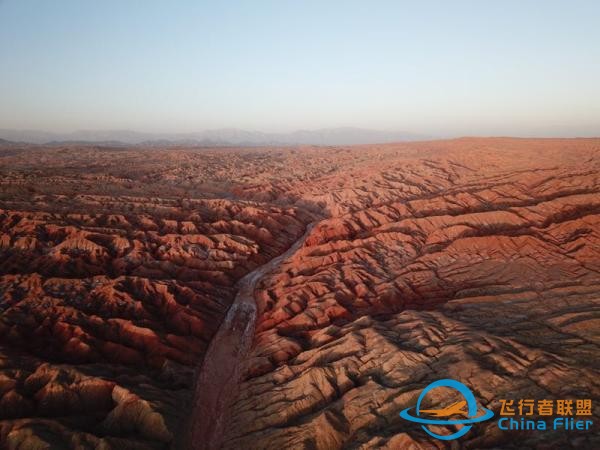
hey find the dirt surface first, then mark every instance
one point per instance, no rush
(219, 376)
(472, 259)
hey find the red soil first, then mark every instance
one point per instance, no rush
(474, 259)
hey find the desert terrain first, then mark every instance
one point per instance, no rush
(358, 275)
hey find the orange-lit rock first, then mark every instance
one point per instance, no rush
(474, 259)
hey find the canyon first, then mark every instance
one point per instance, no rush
(294, 297)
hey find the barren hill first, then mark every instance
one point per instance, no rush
(373, 270)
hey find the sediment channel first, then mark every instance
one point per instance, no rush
(219, 375)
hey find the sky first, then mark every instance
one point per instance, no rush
(443, 68)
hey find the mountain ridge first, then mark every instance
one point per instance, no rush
(214, 137)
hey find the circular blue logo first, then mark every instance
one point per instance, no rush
(472, 414)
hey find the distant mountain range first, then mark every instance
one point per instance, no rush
(220, 137)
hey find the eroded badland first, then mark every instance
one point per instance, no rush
(373, 271)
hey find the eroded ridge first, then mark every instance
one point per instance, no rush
(110, 297)
(217, 382)
(474, 259)
(478, 263)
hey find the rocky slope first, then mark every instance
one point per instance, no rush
(475, 259)
(110, 295)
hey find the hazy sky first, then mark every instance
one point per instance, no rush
(434, 67)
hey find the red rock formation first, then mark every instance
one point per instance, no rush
(109, 299)
(478, 260)
(475, 259)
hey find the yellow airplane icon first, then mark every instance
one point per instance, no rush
(454, 408)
